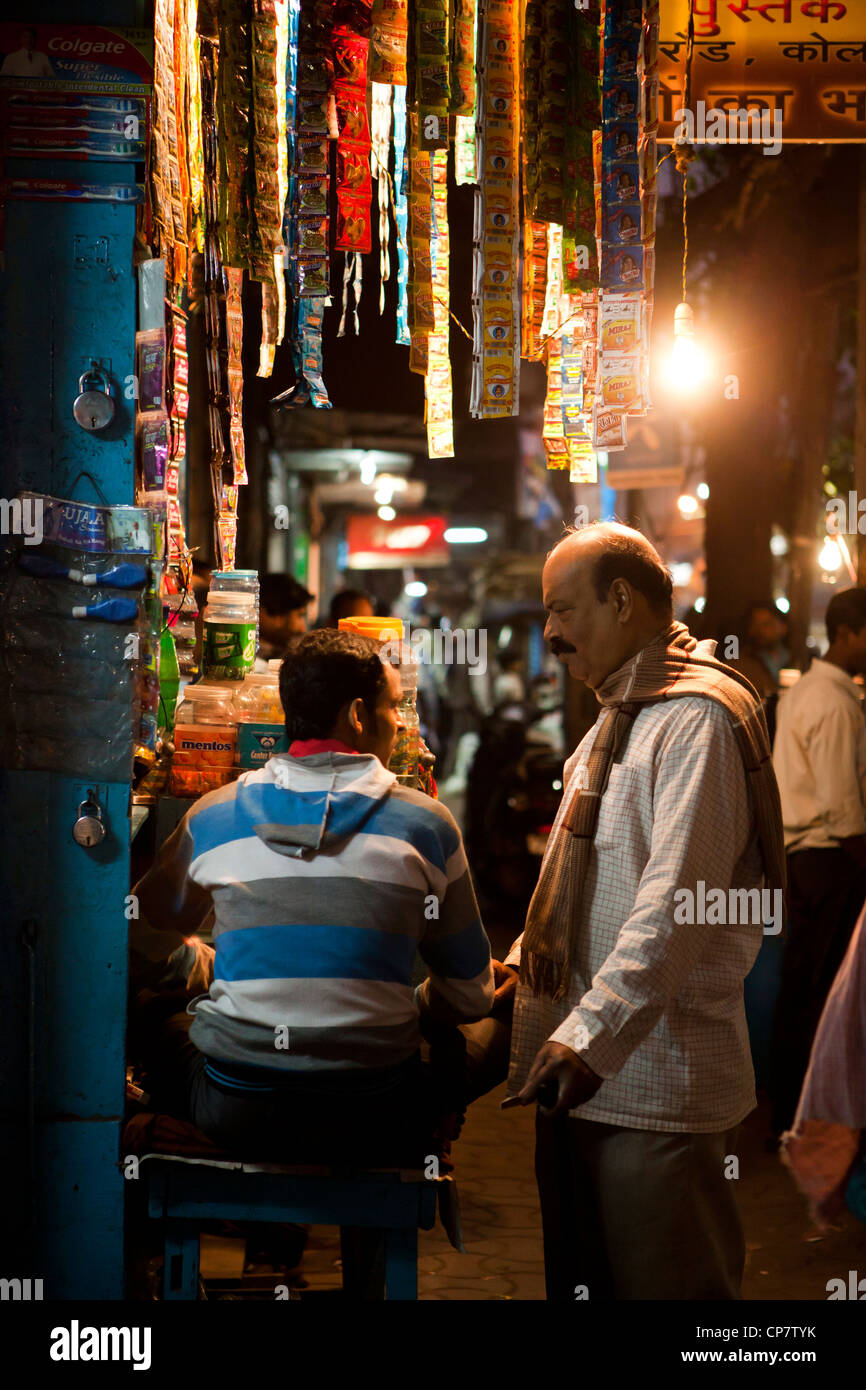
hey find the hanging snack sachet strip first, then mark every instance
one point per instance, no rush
(439, 408)
(496, 240)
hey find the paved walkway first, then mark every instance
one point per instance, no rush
(500, 1212)
(785, 1258)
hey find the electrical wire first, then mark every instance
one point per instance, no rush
(685, 152)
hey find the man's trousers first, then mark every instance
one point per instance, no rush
(633, 1214)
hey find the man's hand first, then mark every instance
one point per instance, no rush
(576, 1082)
(505, 978)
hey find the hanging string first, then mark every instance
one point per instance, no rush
(684, 152)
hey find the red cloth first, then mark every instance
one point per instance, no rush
(306, 747)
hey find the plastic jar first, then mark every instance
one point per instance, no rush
(258, 699)
(404, 760)
(261, 725)
(205, 740)
(207, 704)
(229, 646)
(238, 582)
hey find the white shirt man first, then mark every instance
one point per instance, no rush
(820, 759)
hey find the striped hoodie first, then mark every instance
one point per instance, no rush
(324, 876)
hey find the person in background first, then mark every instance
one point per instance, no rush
(283, 604)
(509, 692)
(764, 646)
(349, 603)
(629, 1011)
(820, 759)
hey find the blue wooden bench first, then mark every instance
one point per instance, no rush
(184, 1194)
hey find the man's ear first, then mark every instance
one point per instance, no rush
(622, 598)
(356, 713)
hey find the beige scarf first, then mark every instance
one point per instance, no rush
(673, 664)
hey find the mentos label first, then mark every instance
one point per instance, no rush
(204, 745)
(258, 742)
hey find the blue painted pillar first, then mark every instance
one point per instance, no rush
(67, 295)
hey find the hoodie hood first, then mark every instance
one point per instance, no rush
(300, 806)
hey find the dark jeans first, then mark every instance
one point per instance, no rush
(395, 1116)
(826, 890)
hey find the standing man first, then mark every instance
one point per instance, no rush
(820, 758)
(631, 1017)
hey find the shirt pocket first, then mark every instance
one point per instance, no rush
(616, 817)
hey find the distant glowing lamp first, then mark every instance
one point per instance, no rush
(830, 557)
(416, 588)
(687, 504)
(465, 535)
(386, 513)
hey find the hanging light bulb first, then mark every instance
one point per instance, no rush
(687, 367)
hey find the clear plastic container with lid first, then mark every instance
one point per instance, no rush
(205, 740)
(207, 703)
(261, 725)
(229, 646)
(258, 699)
(404, 760)
(238, 582)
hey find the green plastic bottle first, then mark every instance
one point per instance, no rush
(169, 679)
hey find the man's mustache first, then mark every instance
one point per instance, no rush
(560, 648)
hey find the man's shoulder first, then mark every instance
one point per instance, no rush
(683, 716)
(815, 698)
(418, 806)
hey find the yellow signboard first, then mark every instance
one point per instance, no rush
(805, 59)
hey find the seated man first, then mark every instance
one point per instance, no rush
(324, 876)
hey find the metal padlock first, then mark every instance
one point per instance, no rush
(92, 408)
(89, 829)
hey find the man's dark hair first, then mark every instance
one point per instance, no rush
(345, 603)
(324, 672)
(281, 593)
(760, 605)
(846, 609)
(624, 557)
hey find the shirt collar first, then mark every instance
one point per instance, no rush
(307, 747)
(828, 670)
